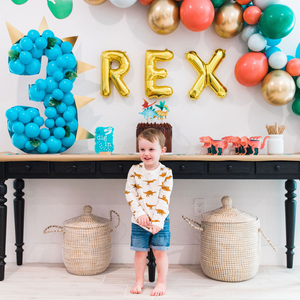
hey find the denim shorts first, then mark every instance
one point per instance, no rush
(142, 240)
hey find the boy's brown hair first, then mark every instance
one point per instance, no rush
(152, 134)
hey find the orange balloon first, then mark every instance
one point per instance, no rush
(146, 2)
(252, 15)
(243, 2)
(251, 68)
(293, 67)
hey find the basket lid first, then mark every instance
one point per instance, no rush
(227, 214)
(87, 220)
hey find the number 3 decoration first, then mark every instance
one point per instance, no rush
(29, 131)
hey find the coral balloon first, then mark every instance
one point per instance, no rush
(95, 2)
(243, 2)
(293, 67)
(197, 15)
(251, 68)
(163, 16)
(277, 21)
(229, 21)
(146, 2)
(252, 15)
(278, 88)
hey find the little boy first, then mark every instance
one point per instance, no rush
(148, 190)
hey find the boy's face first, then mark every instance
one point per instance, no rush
(150, 153)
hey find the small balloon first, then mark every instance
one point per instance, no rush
(272, 43)
(252, 15)
(163, 16)
(248, 31)
(123, 3)
(293, 67)
(94, 2)
(271, 50)
(115, 75)
(243, 2)
(278, 88)
(152, 73)
(197, 15)
(278, 60)
(146, 2)
(257, 42)
(228, 21)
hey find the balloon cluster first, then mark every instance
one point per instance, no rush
(267, 22)
(28, 130)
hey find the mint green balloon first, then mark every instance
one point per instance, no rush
(61, 9)
(19, 2)
(217, 3)
(277, 21)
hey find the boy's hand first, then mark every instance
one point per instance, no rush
(143, 220)
(155, 229)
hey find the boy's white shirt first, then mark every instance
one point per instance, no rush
(148, 192)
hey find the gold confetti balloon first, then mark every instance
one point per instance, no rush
(228, 21)
(163, 16)
(278, 88)
(95, 2)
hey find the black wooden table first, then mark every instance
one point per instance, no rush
(23, 166)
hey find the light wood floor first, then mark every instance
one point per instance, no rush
(52, 281)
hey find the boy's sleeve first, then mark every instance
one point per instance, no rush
(162, 207)
(132, 195)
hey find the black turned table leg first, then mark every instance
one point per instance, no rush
(3, 216)
(290, 220)
(151, 266)
(19, 219)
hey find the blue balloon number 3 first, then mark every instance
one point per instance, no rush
(56, 132)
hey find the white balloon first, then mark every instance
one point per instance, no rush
(277, 60)
(257, 42)
(248, 31)
(123, 3)
(298, 82)
(263, 4)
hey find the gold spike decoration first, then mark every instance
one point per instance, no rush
(15, 34)
(83, 67)
(83, 134)
(43, 26)
(81, 101)
(70, 39)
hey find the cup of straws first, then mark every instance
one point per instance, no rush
(275, 144)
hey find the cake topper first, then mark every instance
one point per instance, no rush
(150, 113)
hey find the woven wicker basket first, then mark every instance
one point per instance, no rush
(86, 242)
(230, 243)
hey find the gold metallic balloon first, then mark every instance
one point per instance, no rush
(152, 73)
(206, 74)
(228, 21)
(115, 75)
(95, 2)
(163, 16)
(278, 88)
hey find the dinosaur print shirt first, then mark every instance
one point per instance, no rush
(148, 192)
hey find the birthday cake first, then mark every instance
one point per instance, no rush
(149, 114)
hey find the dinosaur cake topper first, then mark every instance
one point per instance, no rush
(150, 113)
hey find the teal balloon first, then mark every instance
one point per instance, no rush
(277, 21)
(217, 3)
(296, 107)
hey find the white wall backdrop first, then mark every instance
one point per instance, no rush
(242, 112)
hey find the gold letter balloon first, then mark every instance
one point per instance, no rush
(115, 75)
(152, 73)
(228, 21)
(163, 16)
(278, 88)
(95, 2)
(206, 74)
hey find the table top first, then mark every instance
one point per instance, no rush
(13, 157)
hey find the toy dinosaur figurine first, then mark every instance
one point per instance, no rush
(252, 145)
(214, 147)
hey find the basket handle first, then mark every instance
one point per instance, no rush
(60, 229)
(263, 234)
(112, 211)
(189, 221)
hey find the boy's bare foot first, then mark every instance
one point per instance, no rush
(159, 290)
(137, 289)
